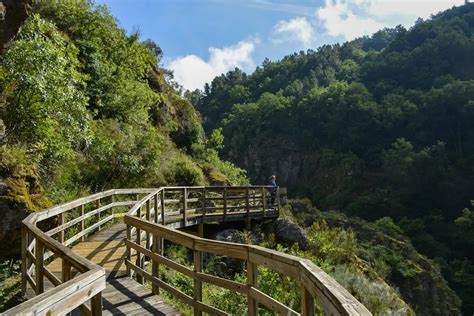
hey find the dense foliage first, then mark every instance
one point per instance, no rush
(373, 261)
(85, 107)
(376, 127)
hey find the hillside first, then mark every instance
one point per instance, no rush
(376, 127)
(85, 107)
(371, 128)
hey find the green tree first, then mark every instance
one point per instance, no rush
(45, 97)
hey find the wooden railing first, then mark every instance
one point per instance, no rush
(152, 216)
(46, 235)
(148, 229)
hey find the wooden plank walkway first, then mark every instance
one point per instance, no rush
(123, 295)
(105, 248)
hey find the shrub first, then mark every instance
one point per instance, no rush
(387, 225)
(185, 172)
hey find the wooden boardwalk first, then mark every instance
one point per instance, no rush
(113, 257)
(123, 295)
(105, 248)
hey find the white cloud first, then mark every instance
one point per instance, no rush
(298, 29)
(412, 8)
(339, 19)
(346, 19)
(354, 18)
(192, 72)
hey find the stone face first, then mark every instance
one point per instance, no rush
(288, 232)
(20, 194)
(15, 12)
(226, 267)
(230, 235)
(10, 227)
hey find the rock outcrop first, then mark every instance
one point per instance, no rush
(10, 229)
(226, 266)
(288, 232)
(14, 12)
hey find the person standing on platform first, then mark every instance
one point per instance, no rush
(273, 190)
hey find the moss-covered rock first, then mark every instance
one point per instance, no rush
(20, 194)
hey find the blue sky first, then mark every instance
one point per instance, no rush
(202, 39)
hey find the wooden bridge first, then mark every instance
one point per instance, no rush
(94, 255)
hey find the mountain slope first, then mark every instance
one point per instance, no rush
(375, 127)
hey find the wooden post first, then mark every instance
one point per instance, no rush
(82, 222)
(39, 271)
(148, 217)
(112, 200)
(225, 202)
(155, 266)
(139, 261)
(278, 199)
(203, 204)
(200, 228)
(96, 304)
(60, 223)
(307, 302)
(197, 283)
(129, 251)
(185, 205)
(155, 217)
(65, 271)
(98, 214)
(24, 258)
(247, 207)
(163, 206)
(264, 202)
(252, 282)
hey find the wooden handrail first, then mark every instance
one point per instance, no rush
(70, 291)
(151, 215)
(316, 285)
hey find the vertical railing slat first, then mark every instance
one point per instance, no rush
(155, 266)
(225, 202)
(185, 205)
(138, 239)
(96, 304)
(82, 222)
(24, 258)
(307, 302)
(112, 200)
(247, 207)
(39, 271)
(148, 217)
(163, 206)
(197, 283)
(60, 223)
(98, 214)
(203, 203)
(65, 270)
(129, 251)
(155, 217)
(252, 282)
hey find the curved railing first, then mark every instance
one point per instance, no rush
(148, 228)
(46, 236)
(152, 215)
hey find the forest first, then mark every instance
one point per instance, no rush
(377, 127)
(373, 139)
